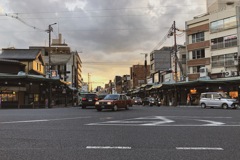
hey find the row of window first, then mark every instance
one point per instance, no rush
(223, 24)
(225, 60)
(216, 26)
(224, 42)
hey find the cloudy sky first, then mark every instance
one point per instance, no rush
(110, 34)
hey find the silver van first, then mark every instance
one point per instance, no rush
(217, 99)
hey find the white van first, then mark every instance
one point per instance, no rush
(217, 99)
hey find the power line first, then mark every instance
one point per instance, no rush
(104, 9)
(22, 21)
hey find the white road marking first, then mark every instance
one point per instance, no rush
(164, 121)
(107, 147)
(42, 120)
(212, 123)
(199, 148)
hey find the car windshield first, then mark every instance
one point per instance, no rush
(224, 95)
(88, 95)
(112, 97)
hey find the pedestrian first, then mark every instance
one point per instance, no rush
(189, 98)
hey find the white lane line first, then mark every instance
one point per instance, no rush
(108, 147)
(42, 120)
(199, 148)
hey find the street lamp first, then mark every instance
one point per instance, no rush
(50, 29)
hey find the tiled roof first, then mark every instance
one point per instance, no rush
(19, 54)
(8, 60)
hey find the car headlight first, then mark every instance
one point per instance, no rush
(97, 103)
(109, 103)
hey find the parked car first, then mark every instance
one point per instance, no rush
(148, 101)
(88, 99)
(114, 102)
(218, 100)
(137, 100)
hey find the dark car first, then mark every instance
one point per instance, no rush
(88, 99)
(114, 102)
(137, 100)
(148, 101)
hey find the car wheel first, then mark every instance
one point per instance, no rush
(203, 105)
(115, 108)
(127, 107)
(99, 109)
(225, 106)
(83, 107)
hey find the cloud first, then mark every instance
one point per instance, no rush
(110, 33)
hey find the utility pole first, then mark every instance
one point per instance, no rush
(89, 82)
(175, 60)
(145, 67)
(175, 50)
(50, 29)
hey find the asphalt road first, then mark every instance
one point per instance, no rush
(141, 133)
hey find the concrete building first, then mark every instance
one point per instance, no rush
(118, 84)
(160, 60)
(66, 63)
(139, 74)
(126, 83)
(212, 41)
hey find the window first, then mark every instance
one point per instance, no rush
(223, 24)
(224, 60)
(218, 61)
(216, 96)
(196, 69)
(196, 54)
(198, 37)
(152, 66)
(217, 43)
(230, 41)
(224, 42)
(229, 59)
(230, 22)
(217, 25)
(151, 57)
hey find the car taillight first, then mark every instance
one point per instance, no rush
(84, 99)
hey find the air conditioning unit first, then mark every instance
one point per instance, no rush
(235, 62)
(234, 74)
(203, 72)
(228, 73)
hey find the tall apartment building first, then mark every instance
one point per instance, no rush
(212, 41)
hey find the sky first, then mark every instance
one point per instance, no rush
(110, 35)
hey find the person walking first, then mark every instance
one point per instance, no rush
(189, 99)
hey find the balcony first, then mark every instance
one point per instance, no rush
(226, 44)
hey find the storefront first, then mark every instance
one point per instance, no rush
(29, 91)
